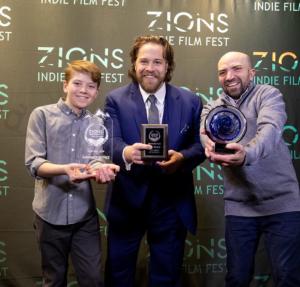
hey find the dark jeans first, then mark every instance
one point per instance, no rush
(282, 242)
(81, 241)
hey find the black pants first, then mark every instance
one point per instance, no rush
(165, 237)
(81, 241)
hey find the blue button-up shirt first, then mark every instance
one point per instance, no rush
(54, 134)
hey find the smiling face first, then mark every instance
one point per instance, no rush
(235, 73)
(80, 91)
(151, 67)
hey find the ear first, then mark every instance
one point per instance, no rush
(65, 86)
(252, 73)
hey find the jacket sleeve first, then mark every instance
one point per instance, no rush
(271, 117)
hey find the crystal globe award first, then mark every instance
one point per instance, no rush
(225, 124)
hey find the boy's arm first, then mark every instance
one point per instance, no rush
(38, 164)
(102, 173)
(35, 145)
(76, 172)
(36, 159)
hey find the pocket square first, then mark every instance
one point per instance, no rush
(184, 129)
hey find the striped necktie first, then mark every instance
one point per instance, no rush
(153, 115)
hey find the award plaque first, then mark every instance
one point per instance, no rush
(225, 124)
(96, 138)
(157, 136)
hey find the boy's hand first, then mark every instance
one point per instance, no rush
(78, 172)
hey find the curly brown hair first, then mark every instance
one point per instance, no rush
(168, 54)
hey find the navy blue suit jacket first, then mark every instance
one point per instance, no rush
(182, 114)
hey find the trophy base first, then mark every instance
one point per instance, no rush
(221, 148)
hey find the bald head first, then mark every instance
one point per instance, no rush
(235, 73)
(235, 56)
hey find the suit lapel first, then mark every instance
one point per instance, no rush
(138, 107)
(172, 111)
(172, 114)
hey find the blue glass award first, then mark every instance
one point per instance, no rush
(225, 124)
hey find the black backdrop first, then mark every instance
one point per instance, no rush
(39, 37)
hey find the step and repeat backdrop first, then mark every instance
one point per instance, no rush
(39, 37)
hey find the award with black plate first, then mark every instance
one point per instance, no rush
(96, 138)
(157, 136)
(225, 124)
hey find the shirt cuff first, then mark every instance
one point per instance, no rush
(127, 165)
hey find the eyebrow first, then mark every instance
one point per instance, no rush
(155, 59)
(232, 67)
(237, 66)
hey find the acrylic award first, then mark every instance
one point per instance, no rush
(96, 141)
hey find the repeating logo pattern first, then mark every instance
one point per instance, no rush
(34, 53)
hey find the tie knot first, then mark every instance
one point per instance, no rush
(152, 99)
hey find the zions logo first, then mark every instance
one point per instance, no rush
(210, 95)
(5, 22)
(3, 101)
(186, 22)
(4, 188)
(212, 174)
(281, 68)
(291, 138)
(211, 256)
(53, 58)
(209, 172)
(3, 259)
(189, 26)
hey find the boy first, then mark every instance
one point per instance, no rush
(66, 221)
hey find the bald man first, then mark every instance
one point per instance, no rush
(261, 188)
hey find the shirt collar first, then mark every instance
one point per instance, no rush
(160, 94)
(67, 110)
